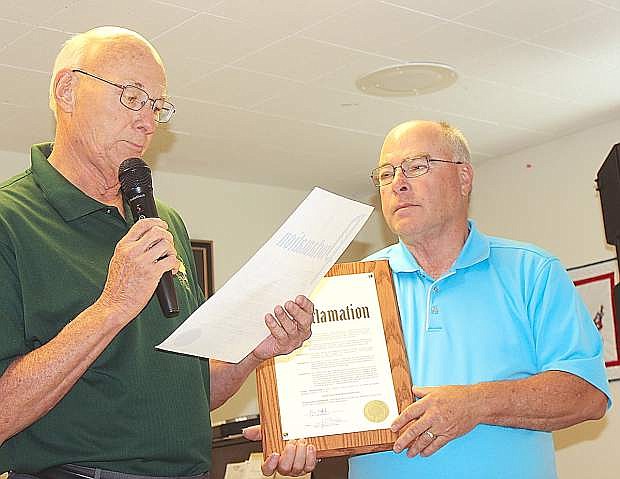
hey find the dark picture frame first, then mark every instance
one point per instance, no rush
(203, 256)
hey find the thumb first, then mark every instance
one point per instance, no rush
(419, 391)
(252, 433)
(271, 464)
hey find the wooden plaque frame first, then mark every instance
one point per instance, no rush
(354, 442)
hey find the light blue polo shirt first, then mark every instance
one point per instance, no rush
(505, 310)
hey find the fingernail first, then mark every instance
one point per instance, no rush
(397, 449)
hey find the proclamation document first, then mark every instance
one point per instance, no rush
(231, 323)
(340, 380)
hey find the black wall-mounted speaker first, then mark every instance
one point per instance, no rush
(608, 182)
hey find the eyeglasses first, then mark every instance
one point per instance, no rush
(411, 167)
(135, 98)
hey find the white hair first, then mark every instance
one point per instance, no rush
(453, 137)
(75, 51)
(456, 140)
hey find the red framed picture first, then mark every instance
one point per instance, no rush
(595, 283)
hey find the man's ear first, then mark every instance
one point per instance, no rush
(466, 177)
(64, 90)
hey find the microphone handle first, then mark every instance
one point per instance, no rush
(142, 205)
(167, 295)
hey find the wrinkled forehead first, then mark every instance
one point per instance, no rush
(127, 59)
(413, 140)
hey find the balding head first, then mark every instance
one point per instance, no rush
(99, 46)
(453, 139)
(96, 130)
(430, 202)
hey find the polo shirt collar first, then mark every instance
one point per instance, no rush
(70, 202)
(475, 250)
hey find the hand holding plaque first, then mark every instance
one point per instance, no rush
(350, 380)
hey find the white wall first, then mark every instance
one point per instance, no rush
(554, 204)
(12, 163)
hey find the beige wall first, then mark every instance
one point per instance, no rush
(554, 204)
(12, 163)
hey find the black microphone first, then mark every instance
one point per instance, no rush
(134, 176)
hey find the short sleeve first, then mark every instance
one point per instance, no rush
(12, 338)
(566, 338)
(185, 243)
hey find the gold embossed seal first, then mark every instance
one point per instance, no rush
(376, 411)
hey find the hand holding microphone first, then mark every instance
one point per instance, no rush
(140, 259)
(147, 252)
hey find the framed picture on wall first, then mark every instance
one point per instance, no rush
(203, 256)
(595, 283)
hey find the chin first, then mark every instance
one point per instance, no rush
(409, 227)
(403, 229)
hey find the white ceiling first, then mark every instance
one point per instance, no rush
(265, 89)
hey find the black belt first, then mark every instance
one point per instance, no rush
(71, 471)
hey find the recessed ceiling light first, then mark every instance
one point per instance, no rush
(416, 78)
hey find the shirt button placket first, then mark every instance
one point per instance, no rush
(434, 322)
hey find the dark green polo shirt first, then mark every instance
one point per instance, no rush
(135, 410)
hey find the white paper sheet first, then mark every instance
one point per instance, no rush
(340, 380)
(292, 262)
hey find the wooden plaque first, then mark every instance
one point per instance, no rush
(354, 442)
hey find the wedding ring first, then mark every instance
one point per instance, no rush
(430, 435)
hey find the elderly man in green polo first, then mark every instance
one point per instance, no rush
(83, 392)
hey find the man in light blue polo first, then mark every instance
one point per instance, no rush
(501, 349)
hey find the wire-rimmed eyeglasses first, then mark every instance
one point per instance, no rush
(411, 167)
(135, 98)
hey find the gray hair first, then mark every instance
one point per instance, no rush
(75, 51)
(456, 140)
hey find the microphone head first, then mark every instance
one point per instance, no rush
(134, 173)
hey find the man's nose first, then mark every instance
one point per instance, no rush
(146, 119)
(400, 181)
